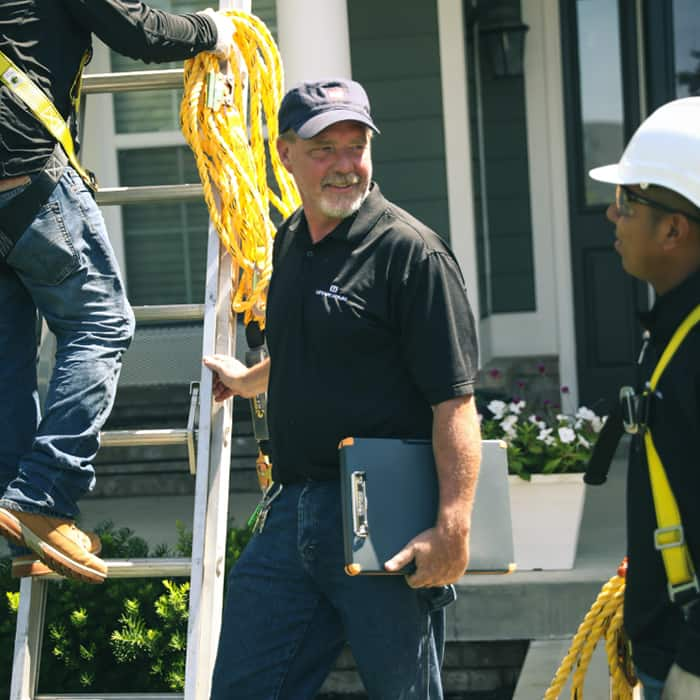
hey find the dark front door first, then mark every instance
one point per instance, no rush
(602, 110)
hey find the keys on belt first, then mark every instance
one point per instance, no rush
(259, 517)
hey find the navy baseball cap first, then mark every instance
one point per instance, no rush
(311, 107)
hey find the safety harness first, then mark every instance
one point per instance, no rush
(24, 88)
(669, 537)
(631, 416)
(22, 209)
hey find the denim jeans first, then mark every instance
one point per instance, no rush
(651, 687)
(63, 265)
(290, 608)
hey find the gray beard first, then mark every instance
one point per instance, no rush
(343, 211)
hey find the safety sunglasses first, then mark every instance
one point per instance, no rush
(624, 195)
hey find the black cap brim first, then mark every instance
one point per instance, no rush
(317, 124)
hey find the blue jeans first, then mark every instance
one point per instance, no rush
(63, 265)
(651, 687)
(290, 608)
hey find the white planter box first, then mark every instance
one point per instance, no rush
(546, 515)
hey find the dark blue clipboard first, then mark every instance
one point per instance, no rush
(389, 494)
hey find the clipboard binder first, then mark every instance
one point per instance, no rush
(389, 494)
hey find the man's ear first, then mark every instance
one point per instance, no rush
(283, 147)
(677, 233)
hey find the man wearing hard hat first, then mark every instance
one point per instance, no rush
(657, 226)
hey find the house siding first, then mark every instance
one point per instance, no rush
(395, 54)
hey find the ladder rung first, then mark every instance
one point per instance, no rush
(152, 567)
(110, 196)
(142, 438)
(169, 312)
(133, 81)
(112, 696)
(148, 568)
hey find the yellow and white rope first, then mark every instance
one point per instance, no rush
(603, 621)
(234, 160)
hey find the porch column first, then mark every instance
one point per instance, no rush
(314, 39)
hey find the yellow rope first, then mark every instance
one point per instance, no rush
(603, 621)
(234, 162)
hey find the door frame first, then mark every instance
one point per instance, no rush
(550, 329)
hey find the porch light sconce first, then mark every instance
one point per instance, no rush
(503, 41)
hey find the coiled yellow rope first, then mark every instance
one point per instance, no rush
(603, 621)
(234, 162)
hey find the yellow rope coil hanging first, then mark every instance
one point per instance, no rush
(232, 165)
(603, 621)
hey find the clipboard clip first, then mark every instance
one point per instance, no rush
(360, 524)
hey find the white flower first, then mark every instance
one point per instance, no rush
(586, 414)
(533, 418)
(544, 434)
(563, 418)
(598, 423)
(497, 408)
(516, 407)
(508, 425)
(566, 435)
(578, 424)
(549, 441)
(583, 442)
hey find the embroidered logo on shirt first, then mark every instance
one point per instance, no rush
(332, 293)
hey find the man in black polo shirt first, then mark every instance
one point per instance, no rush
(370, 334)
(657, 226)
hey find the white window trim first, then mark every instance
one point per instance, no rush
(99, 151)
(549, 186)
(550, 329)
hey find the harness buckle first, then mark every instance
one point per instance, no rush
(684, 593)
(678, 541)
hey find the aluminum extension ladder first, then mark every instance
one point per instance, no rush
(213, 452)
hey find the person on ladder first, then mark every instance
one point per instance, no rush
(55, 257)
(370, 334)
(657, 226)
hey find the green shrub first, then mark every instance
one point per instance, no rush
(125, 635)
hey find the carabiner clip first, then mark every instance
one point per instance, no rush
(628, 402)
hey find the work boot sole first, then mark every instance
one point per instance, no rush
(28, 564)
(11, 528)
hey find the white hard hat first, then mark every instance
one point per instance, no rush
(665, 151)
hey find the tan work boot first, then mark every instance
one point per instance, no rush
(28, 564)
(57, 542)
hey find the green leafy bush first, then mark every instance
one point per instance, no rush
(126, 635)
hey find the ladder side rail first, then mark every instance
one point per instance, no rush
(211, 484)
(211, 514)
(28, 637)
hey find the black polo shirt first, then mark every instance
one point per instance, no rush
(657, 628)
(367, 329)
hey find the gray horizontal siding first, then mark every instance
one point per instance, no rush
(395, 55)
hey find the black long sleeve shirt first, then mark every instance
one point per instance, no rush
(660, 635)
(47, 40)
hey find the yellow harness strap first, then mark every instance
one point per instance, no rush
(44, 110)
(669, 537)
